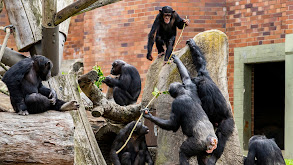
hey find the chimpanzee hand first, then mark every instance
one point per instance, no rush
(107, 81)
(149, 57)
(146, 113)
(175, 58)
(52, 97)
(186, 21)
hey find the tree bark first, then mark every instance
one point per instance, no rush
(215, 47)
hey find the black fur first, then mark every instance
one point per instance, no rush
(24, 82)
(188, 113)
(136, 151)
(265, 151)
(128, 86)
(213, 102)
(165, 33)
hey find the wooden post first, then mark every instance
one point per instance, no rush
(50, 32)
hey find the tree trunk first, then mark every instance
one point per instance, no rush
(45, 138)
(215, 47)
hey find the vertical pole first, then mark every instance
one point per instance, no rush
(288, 96)
(50, 33)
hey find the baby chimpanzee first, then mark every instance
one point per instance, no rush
(27, 93)
(136, 151)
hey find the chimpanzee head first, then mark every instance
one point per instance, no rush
(117, 67)
(167, 13)
(43, 66)
(256, 137)
(141, 129)
(176, 89)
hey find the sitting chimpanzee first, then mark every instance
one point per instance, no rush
(128, 86)
(188, 113)
(265, 151)
(136, 151)
(165, 27)
(27, 93)
(213, 102)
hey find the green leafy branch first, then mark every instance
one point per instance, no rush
(157, 93)
(98, 69)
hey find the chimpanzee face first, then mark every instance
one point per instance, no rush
(46, 71)
(141, 129)
(117, 67)
(167, 12)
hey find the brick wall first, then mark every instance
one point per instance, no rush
(119, 30)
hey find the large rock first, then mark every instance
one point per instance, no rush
(215, 46)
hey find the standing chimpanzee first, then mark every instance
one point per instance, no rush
(165, 27)
(213, 102)
(27, 93)
(188, 113)
(265, 151)
(128, 86)
(136, 151)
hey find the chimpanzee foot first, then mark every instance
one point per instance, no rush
(161, 54)
(71, 105)
(212, 145)
(23, 113)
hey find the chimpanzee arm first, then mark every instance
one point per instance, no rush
(170, 124)
(182, 70)
(44, 90)
(113, 155)
(148, 157)
(179, 21)
(151, 36)
(250, 156)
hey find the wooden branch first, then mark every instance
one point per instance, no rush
(86, 84)
(117, 113)
(79, 7)
(72, 9)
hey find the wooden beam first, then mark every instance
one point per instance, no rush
(77, 8)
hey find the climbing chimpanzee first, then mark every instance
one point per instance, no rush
(136, 151)
(128, 86)
(213, 102)
(188, 113)
(265, 151)
(165, 27)
(27, 93)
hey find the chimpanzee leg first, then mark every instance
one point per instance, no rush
(37, 103)
(121, 97)
(140, 158)
(190, 147)
(169, 50)
(57, 105)
(159, 44)
(224, 131)
(126, 158)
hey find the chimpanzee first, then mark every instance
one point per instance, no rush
(165, 27)
(213, 102)
(27, 93)
(187, 112)
(264, 150)
(136, 151)
(128, 86)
